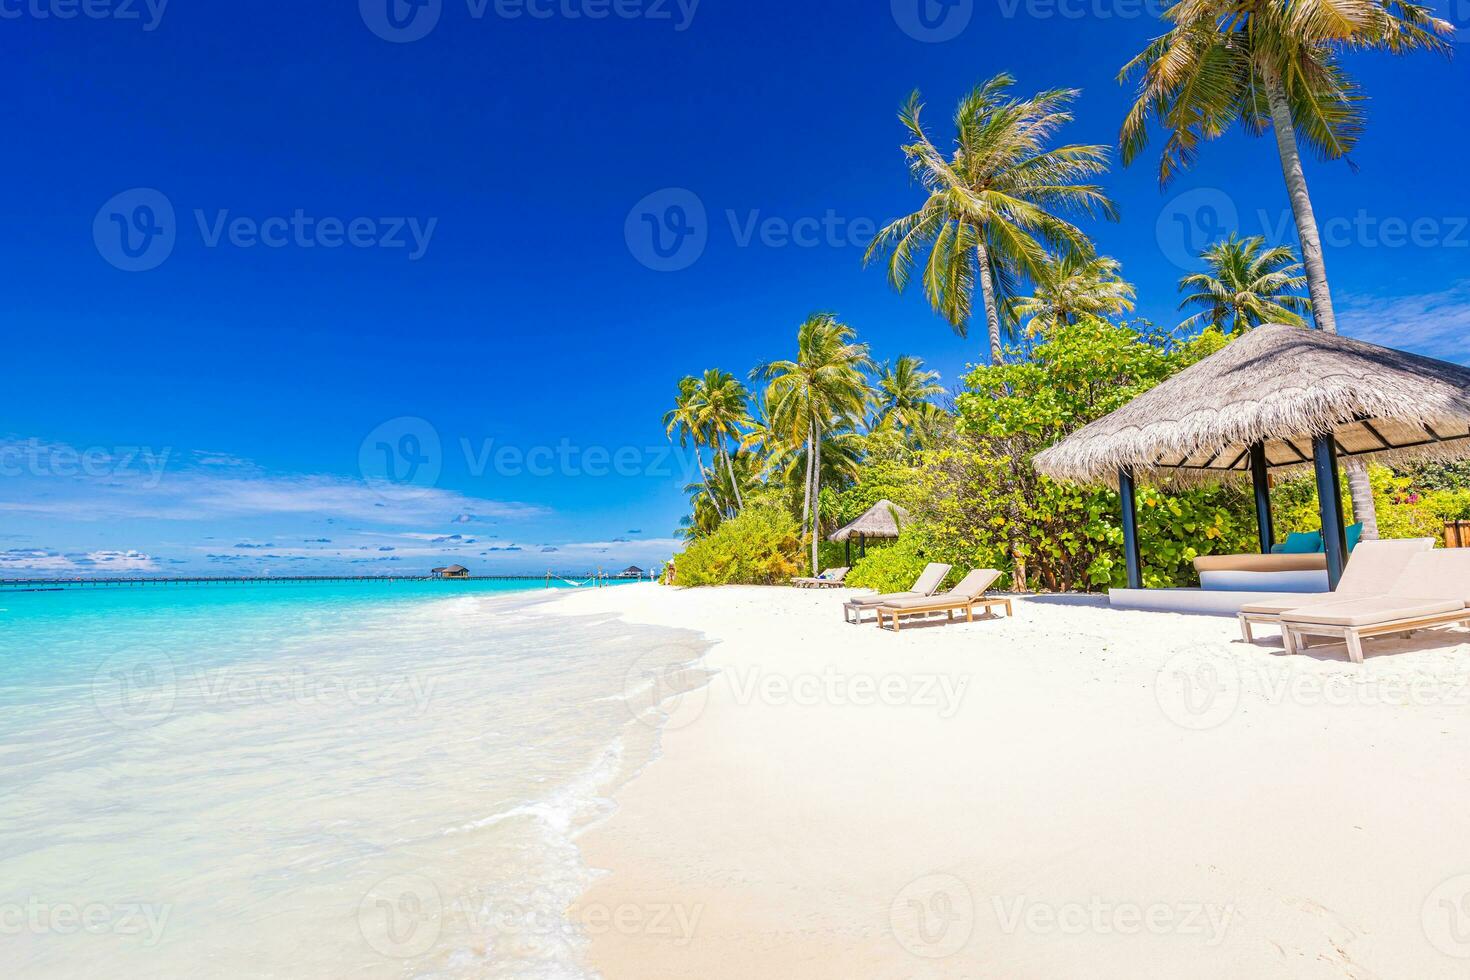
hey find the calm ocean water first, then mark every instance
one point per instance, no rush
(364, 780)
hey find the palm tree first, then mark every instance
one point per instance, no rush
(1268, 63)
(1247, 285)
(823, 391)
(721, 412)
(684, 419)
(1072, 285)
(995, 205)
(904, 394)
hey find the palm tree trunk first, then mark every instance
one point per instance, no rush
(734, 482)
(987, 294)
(709, 484)
(1361, 491)
(816, 494)
(1301, 206)
(806, 503)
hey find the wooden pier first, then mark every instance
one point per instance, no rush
(34, 584)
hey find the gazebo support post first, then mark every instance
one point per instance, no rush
(847, 549)
(1261, 479)
(1130, 528)
(862, 546)
(1329, 498)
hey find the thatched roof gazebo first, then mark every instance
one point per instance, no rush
(1279, 398)
(882, 520)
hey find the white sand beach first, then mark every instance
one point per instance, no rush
(1077, 791)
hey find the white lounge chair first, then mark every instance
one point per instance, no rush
(1433, 591)
(928, 582)
(829, 579)
(964, 597)
(1372, 570)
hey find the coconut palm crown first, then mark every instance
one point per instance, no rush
(996, 205)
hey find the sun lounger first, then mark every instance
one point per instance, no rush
(928, 582)
(1433, 591)
(1373, 569)
(962, 598)
(829, 579)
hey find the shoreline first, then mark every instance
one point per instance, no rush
(1027, 798)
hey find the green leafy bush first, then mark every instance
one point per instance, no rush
(760, 546)
(893, 568)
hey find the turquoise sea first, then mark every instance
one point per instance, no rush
(310, 780)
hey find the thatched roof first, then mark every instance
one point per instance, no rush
(1282, 385)
(881, 520)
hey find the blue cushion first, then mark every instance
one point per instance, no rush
(1355, 534)
(1301, 543)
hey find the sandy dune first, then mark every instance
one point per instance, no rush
(1078, 792)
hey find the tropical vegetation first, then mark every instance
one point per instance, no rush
(817, 438)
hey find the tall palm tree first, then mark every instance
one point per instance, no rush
(1072, 285)
(684, 420)
(1268, 63)
(824, 390)
(721, 409)
(1247, 285)
(995, 205)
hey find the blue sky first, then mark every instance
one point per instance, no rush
(425, 241)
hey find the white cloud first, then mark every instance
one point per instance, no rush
(1435, 324)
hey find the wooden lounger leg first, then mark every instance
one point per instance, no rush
(1288, 639)
(1245, 629)
(1354, 645)
(969, 614)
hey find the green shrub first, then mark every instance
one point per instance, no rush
(892, 568)
(761, 546)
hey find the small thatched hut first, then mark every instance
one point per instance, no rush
(882, 520)
(451, 571)
(1276, 399)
